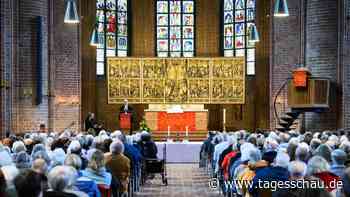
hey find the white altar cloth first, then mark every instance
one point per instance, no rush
(180, 152)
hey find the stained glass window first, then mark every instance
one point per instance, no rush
(112, 28)
(175, 28)
(238, 17)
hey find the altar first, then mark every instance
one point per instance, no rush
(176, 118)
(179, 152)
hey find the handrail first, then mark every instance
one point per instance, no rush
(275, 100)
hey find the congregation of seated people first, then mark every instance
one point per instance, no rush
(240, 160)
(68, 164)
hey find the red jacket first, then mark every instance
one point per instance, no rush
(225, 163)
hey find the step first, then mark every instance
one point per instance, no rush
(294, 115)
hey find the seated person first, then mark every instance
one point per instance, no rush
(148, 147)
(28, 184)
(61, 182)
(83, 183)
(118, 164)
(96, 170)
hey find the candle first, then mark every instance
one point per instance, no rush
(186, 131)
(224, 116)
(168, 131)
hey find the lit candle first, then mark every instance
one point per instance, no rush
(168, 131)
(224, 116)
(186, 131)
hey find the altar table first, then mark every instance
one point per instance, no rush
(180, 152)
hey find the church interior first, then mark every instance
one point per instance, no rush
(129, 98)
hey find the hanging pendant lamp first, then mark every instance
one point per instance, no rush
(94, 38)
(281, 8)
(71, 13)
(253, 34)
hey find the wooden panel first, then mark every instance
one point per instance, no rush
(208, 28)
(151, 118)
(314, 96)
(202, 121)
(262, 67)
(88, 59)
(143, 28)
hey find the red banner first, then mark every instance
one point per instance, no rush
(177, 121)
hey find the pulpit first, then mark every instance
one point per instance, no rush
(125, 121)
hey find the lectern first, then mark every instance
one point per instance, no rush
(125, 121)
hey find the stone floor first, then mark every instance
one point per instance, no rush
(184, 180)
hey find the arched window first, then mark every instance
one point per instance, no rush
(112, 28)
(175, 23)
(238, 16)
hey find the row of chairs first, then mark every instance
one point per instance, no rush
(139, 175)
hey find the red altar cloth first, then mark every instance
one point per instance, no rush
(176, 121)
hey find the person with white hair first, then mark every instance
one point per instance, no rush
(116, 134)
(5, 156)
(42, 155)
(99, 143)
(17, 147)
(96, 169)
(23, 160)
(219, 148)
(277, 172)
(297, 171)
(324, 151)
(40, 167)
(84, 184)
(37, 148)
(314, 144)
(292, 146)
(246, 171)
(76, 148)
(118, 164)
(318, 167)
(61, 182)
(227, 158)
(338, 162)
(9, 174)
(231, 144)
(302, 152)
(57, 157)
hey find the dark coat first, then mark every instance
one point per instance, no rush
(267, 174)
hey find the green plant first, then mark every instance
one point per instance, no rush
(144, 127)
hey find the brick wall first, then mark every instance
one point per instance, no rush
(60, 69)
(6, 19)
(65, 70)
(322, 55)
(345, 61)
(25, 114)
(287, 51)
